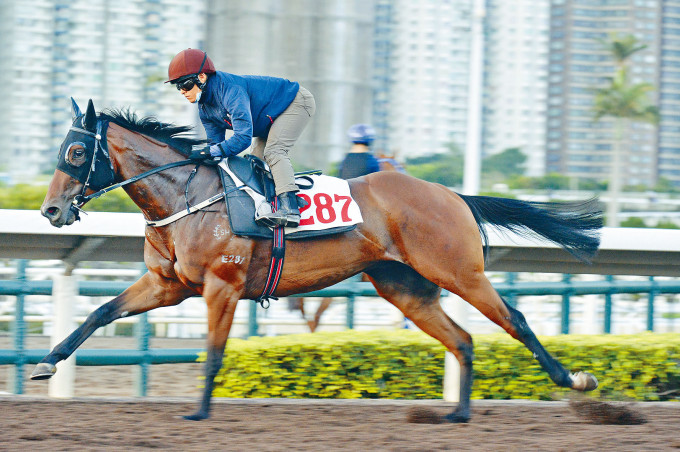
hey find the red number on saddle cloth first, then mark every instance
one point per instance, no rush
(344, 213)
(310, 220)
(324, 202)
(325, 210)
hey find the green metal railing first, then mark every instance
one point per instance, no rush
(144, 356)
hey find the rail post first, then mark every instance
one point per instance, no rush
(350, 311)
(511, 296)
(566, 303)
(142, 331)
(19, 333)
(608, 305)
(64, 292)
(252, 319)
(653, 290)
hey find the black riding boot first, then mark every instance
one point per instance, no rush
(287, 214)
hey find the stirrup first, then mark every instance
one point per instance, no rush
(287, 215)
(266, 221)
(273, 220)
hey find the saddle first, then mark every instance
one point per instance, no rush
(252, 172)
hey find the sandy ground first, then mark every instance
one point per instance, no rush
(285, 425)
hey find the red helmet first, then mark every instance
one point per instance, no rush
(189, 62)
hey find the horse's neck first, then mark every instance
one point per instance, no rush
(161, 194)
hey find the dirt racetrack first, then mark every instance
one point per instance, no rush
(285, 425)
(104, 416)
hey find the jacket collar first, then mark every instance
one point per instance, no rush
(206, 93)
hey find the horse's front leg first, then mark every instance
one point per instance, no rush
(222, 300)
(146, 293)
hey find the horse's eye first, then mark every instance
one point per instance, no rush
(75, 154)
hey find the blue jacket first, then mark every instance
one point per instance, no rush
(247, 104)
(358, 164)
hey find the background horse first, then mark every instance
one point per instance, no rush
(416, 238)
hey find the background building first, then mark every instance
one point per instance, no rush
(113, 52)
(400, 65)
(669, 93)
(428, 44)
(516, 79)
(326, 46)
(576, 145)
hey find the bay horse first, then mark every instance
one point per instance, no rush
(416, 238)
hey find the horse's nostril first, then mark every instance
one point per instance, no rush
(52, 211)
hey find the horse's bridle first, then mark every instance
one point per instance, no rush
(89, 175)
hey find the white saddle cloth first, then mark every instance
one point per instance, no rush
(330, 203)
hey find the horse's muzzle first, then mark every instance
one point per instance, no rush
(59, 217)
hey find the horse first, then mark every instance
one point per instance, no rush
(389, 163)
(416, 238)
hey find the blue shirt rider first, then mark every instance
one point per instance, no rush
(268, 112)
(359, 160)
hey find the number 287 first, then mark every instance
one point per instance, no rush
(325, 208)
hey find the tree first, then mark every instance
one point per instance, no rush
(445, 168)
(498, 167)
(625, 102)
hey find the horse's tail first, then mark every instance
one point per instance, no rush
(573, 225)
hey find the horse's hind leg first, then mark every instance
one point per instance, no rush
(325, 303)
(478, 291)
(418, 299)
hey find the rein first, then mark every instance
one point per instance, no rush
(103, 191)
(80, 200)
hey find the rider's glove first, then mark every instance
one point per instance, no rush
(206, 155)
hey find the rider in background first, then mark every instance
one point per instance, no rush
(273, 111)
(359, 160)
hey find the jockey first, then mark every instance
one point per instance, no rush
(359, 161)
(273, 111)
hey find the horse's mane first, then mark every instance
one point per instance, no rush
(167, 133)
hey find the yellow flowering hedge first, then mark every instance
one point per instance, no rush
(405, 364)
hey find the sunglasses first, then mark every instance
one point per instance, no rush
(187, 84)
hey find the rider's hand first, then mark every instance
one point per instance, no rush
(206, 155)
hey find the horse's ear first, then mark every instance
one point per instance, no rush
(90, 120)
(75, 109)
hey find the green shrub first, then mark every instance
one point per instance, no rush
(406, 364)
(30, 197)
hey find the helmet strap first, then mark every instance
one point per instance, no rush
(201, 86)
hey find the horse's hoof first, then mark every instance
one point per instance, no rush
(43, 371)
(196, 416)
(457, 418)
(583, 381)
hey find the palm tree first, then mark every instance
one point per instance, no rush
(625, 102)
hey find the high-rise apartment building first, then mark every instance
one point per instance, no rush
(326, 46)
(577, 146)
(669, 93)
(516, 79)
(26, 59)
(382, 71)
(426, 101)
(113, 52)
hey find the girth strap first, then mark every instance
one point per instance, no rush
(276, 264)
